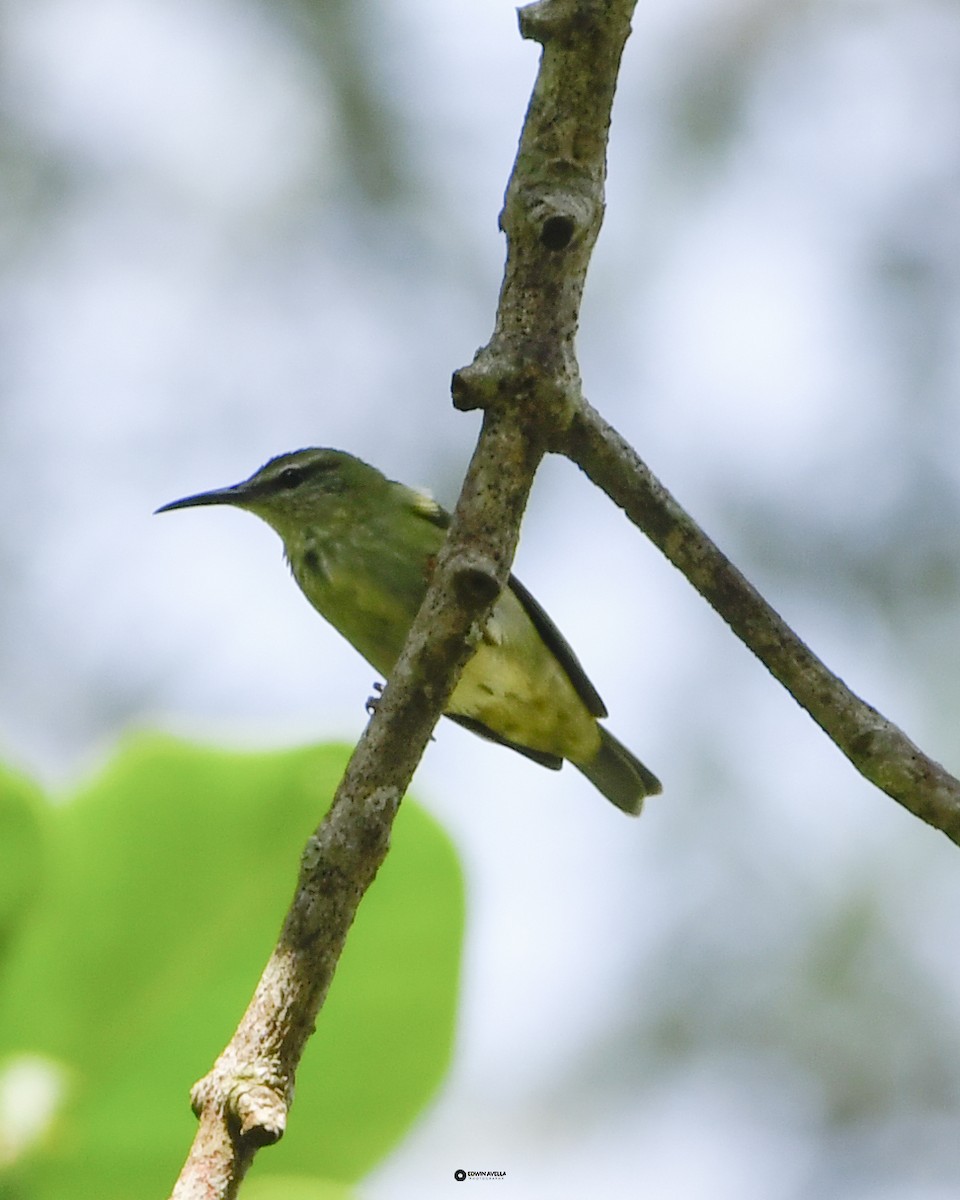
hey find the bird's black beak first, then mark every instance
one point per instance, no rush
(227, 495)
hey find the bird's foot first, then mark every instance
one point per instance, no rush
(373, 701)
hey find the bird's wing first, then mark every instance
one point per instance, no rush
(424, 505)
(560, 648)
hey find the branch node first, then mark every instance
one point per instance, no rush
(541, 398)
(255, 1108)
(562, 218)
(556, 233)
(546, 19)
(474, 579)
(493, 380)
(260, 1112)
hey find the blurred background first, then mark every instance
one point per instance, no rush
(232, 228)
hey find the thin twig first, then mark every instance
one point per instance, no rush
(879, 750)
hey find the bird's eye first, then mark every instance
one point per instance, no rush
(289, 477)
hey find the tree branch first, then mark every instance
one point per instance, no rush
(527, 382)
(879, 750)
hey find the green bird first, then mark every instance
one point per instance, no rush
(362, 547)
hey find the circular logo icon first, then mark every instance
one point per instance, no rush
(459, 1176)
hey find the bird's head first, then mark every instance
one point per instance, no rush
(292, 491)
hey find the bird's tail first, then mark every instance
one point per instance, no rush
(621, 777)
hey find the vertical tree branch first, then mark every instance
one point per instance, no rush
(527, 382)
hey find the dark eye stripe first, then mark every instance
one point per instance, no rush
(278, 476)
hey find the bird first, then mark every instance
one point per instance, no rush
(361, 547)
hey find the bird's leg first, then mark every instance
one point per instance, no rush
(373, 701)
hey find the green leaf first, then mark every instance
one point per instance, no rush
(22, 837)
(167, 883)
(294, 1187)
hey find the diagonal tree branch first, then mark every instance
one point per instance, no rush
(243, 1102)
(879, 750)
(527, 382)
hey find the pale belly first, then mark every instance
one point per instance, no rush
(524, 695)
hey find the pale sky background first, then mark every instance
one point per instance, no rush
(221, 240)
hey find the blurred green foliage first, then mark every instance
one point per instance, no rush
(145, 909)
(21, 851)
(293, 1187)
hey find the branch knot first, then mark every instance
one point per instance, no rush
(561, 218)
(537, 395)
(545, 20)
(260, 1112)
(474, 577)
